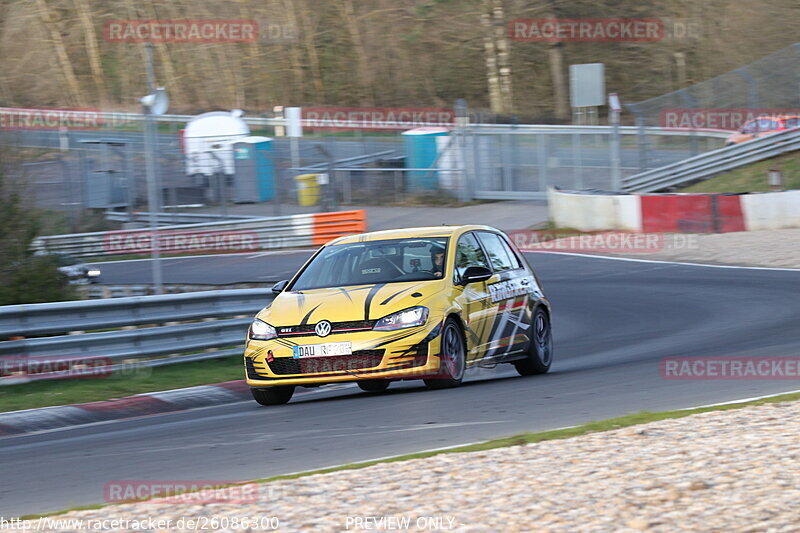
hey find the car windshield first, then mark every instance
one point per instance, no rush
(65, 260)
(386, 261)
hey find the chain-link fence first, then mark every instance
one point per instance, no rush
(106, 170)
(766, 87)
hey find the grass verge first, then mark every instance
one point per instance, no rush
(69, 391)
(516, 440)
(753, 178)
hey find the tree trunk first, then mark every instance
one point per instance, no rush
(92, 51)
(556, 57)
(492, 72)
(503, 56)
(362, 59)
(559, 81)
(313, 55)
(50, 24)
(496, 50)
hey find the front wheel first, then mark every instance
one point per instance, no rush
(453, 358)
(277, 395)
(540, 350)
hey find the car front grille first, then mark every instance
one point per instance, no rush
(336, 327)
(251, 370)
(359, 360)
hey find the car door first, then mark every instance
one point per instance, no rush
(509, 292)
(477, 312)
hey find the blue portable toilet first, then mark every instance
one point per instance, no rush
(254, 170)
(422, 147)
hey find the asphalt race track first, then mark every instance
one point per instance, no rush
(220, 269)
(613, 323)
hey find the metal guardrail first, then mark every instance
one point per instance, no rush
(714, 162)
(171, 218)
(212, 335)
(86, 315)
(251, 234)
(527, 129)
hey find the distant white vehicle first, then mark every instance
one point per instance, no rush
(77, 272)
(207, 142)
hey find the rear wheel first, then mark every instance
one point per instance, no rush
(453, 358)
(540, 351)
(277, 395)
(373, 385)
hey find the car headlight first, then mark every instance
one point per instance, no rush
(407, 318)
(261, 331)
(93, 273)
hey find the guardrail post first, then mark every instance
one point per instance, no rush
(616, 177)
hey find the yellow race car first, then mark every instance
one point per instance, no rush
(418, 303)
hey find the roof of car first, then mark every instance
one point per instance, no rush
(405, 233)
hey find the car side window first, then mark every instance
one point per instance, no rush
(767, 124)
(750, 127)
(500, 256)
(792, 122)
(469, 253)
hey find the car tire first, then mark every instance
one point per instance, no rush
(540, 349)
(453, 358)
(374, 385)
(277, 395)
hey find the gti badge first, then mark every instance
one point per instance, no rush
(323, 328)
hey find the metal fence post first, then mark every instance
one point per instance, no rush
(578, 166)
(461, 127)
(615, 153)
(542, 160)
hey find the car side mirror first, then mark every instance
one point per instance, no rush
(475, 274)
(278, 287)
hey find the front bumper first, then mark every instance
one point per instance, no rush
(403, 354)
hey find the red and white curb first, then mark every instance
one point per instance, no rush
(15, 423)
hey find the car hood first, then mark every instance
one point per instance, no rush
(341, 304)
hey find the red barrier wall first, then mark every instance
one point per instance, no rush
(691, 213)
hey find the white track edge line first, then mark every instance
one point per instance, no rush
(635, 260)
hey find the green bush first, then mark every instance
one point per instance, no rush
(25, 277)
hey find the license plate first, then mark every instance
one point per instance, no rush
(322, 350)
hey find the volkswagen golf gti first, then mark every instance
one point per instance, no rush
(420, 303)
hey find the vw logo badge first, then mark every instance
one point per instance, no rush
(323, 328)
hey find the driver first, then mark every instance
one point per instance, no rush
(437, 260)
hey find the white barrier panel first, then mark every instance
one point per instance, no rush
(247, 235)
(771, 210)
(590, 212)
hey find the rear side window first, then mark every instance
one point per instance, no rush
(469, 253)
(750, 127)
(500, 255)
(767, 124)
(793, 122)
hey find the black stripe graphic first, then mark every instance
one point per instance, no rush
(390, 298)
(393, 339)
(344, 291)
(308, 315)
(372, 292)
